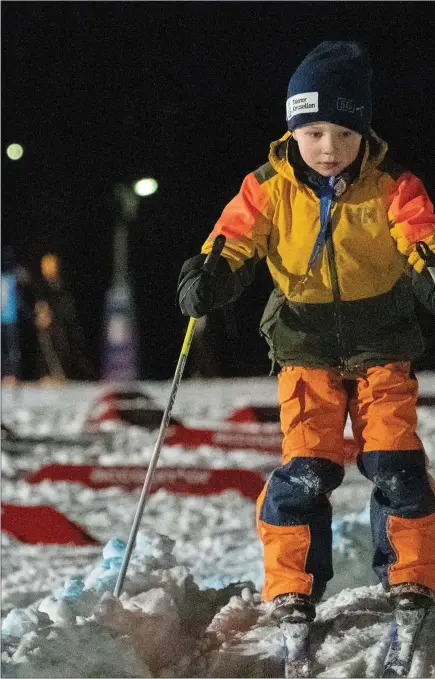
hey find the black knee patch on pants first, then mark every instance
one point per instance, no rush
(401, 480)
(299, 488)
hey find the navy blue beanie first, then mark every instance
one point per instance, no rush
(332, 84)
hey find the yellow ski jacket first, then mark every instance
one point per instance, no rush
(354, 306)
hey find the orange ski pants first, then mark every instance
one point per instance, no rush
(293, 510)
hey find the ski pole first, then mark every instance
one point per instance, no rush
(208, 266)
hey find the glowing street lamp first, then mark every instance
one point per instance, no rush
(14, 151)
(145, 187)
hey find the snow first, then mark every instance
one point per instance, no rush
(196, 572)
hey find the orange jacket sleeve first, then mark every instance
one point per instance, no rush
(412, 216)
(245, 224)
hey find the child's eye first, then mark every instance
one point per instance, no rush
(315, 135)
(347, 133)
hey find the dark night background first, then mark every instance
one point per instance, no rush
(191, 93)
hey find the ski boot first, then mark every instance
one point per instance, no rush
(294, 608)
(409, 596)
(294, 614)
(411, 603)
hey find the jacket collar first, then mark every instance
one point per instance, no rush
(286, 160)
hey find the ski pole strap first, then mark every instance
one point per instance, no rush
(427, 256)
(209, 266)
(326, 196)
(213, 257)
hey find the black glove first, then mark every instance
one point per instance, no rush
(199, 292)
(424, 289)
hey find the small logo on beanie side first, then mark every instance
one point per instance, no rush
(347, 105)
(307, 102)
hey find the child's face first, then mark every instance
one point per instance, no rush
(326, 147)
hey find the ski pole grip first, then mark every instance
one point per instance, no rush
(425, 253)
(427, 256)
(212, 259)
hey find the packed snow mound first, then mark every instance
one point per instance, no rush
(81, 630)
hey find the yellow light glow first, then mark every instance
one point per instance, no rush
(50, 267)
(145, 187)
(14, 151)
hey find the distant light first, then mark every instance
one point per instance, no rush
(145, 187)
(14, 151)
(50, 267)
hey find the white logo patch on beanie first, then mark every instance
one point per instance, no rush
(307, 102)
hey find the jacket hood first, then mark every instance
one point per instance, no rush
(374, 153)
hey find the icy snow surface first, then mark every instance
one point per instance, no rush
(190, 605)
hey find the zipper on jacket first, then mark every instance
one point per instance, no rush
(339, 330)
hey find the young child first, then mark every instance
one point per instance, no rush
(338, 222)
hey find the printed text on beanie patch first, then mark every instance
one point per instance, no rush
(307, 102)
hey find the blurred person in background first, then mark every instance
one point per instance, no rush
(62, 345)
(10, 346)
(27, 295)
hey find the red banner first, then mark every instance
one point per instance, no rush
(249, 428)
(42, 524)
(255, 414)
(264, 438)
(261, 438)
(179, 480)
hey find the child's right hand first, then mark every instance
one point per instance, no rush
(198, 291)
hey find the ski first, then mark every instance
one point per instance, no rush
(404, 635)
(296, 649)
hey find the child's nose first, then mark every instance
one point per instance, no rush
(330, 145)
